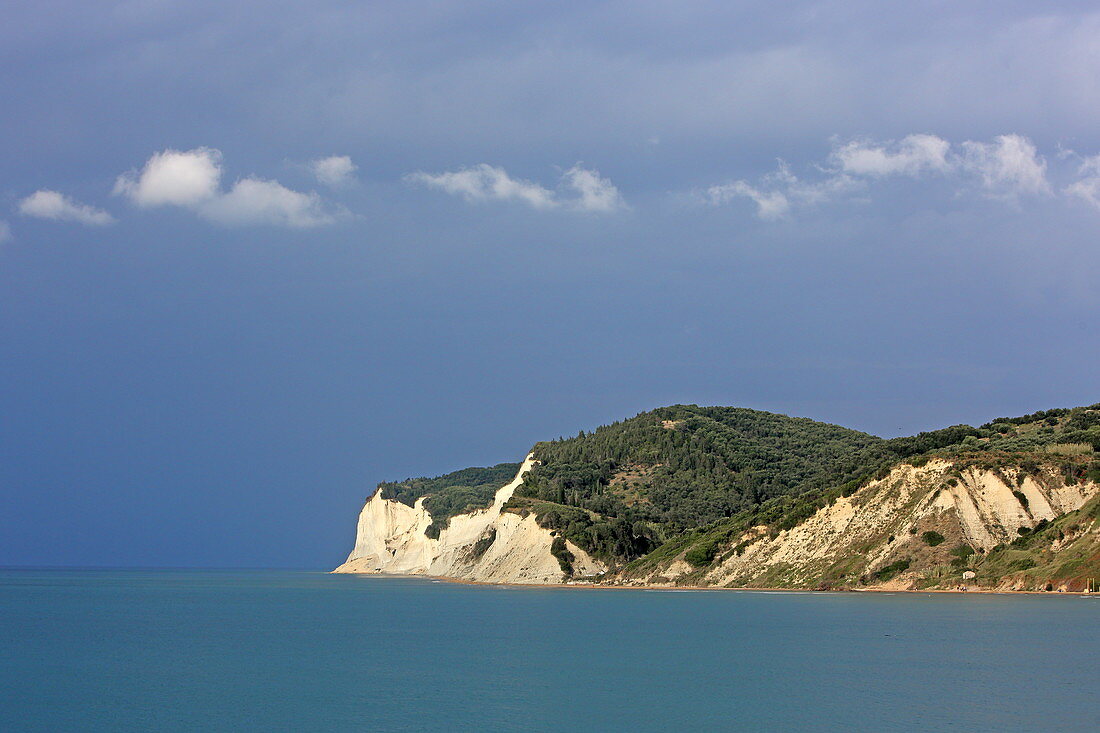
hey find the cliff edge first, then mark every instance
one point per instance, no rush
(731, 497)
(485, 545)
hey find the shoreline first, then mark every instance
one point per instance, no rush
(597, 586)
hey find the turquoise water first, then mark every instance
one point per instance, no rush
(275, 650)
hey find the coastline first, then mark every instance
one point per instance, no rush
(597, 586)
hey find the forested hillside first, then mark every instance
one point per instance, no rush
(624, 489)
(697, 477)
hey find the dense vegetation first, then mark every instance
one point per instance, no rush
(696, 477)
(685, 465)
(648, 479)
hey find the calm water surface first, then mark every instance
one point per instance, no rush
(90, 650)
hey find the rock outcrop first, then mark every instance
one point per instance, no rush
(485, 545)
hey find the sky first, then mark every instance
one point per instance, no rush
(257, 257)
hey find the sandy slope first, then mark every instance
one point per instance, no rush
(884, 521)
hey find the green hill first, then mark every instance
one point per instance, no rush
(624, 489)
(688, 481)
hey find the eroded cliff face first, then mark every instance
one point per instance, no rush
(486, 545)
(851, 541)
(942, 524)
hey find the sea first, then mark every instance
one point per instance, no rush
(277, 650)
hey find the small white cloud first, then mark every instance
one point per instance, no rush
(174, 178)
(192, 180)
(781, 191)
(5, 231)
(770, 205)
(913, 155)
(484, 182)
(580, 189)
(53, 205)
(256, 201)
(1007, 167)
(1087, 187)
(595, 193)
(335, 170)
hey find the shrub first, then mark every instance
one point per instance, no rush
(562, 553)
(1021, 497)
(962, 555)
(962, 551)
(1083, 418)
(932, 538)
(701, 554)
(891, 570)
(484, 543)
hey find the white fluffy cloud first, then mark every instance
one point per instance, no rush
(192, 179)
(913, 155)
(256, 201)
(179, 178)
(595, 193)
(588, 191)
(335, 170)
(47, 204)
(1008, 166)
(484, 182)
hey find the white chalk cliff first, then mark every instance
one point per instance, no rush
(390, 538)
